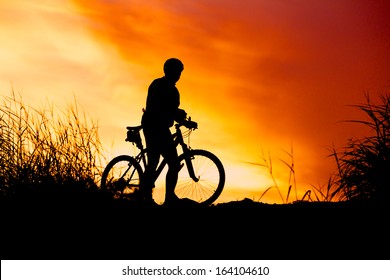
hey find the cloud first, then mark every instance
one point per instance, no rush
(257, 73)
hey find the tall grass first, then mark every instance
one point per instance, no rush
(43, 148)
(266, 162)
(364, 164)
(314, 194)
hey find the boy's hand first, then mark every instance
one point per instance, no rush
(181, 115)
(191, 124)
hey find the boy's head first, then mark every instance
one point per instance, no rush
(173, 68)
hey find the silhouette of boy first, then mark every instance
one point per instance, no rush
(162, 110)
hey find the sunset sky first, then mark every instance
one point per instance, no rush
(260, 76)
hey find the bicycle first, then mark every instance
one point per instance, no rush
(201, 176)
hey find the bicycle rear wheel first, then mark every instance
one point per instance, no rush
(122, 177)
(210, 175)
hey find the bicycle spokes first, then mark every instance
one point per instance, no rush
(203, 178)
(121, 177)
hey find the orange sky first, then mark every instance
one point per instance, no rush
(259, 75)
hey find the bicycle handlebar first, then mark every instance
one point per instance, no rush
(188, 123)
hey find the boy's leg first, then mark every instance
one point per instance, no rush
(153, 157)
(171, 156)
(149, 175)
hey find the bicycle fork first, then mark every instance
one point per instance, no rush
(190, 167)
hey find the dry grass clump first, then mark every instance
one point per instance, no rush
(43, 150)
(315, 194)
(364, 164)
(267, 163)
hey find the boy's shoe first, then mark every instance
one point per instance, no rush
(147, 197)
(145, 193)
(150, 203)
(171, 201)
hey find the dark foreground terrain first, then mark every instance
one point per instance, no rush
(70, 226)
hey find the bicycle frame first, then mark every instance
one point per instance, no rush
(124, 174)
(178, 140)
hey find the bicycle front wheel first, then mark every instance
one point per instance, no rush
(209, 179)
(121, 177)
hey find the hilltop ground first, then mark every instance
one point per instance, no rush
(94, 227)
